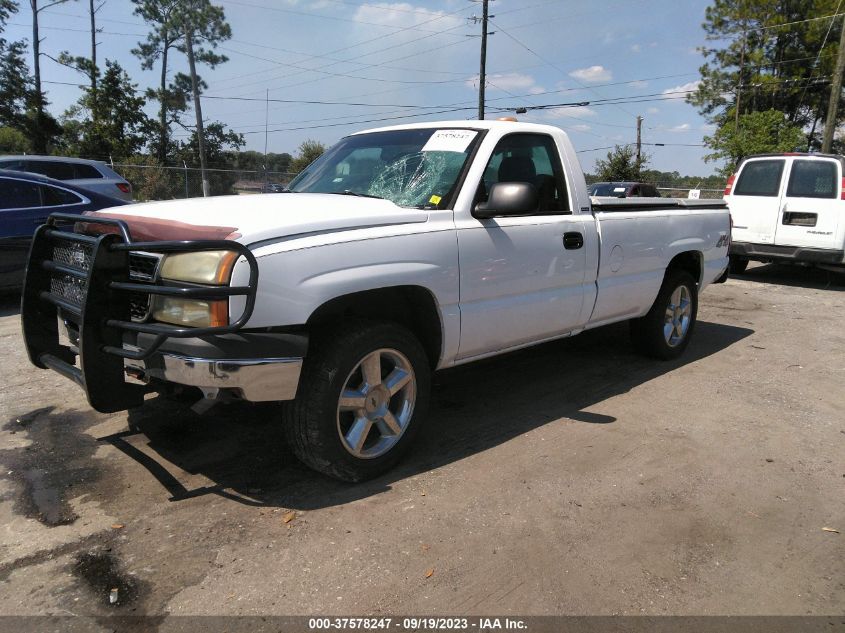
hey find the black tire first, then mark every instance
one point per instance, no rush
(312, 421)
(648, 332)
(737, 265)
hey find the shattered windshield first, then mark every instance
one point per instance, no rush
(411, 168)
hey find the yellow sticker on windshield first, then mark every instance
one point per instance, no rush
(435, 199)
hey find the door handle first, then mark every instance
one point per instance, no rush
(573, 240)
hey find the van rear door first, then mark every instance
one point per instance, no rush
(810, 209)
(755, 200)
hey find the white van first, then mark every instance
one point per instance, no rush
(788, 208)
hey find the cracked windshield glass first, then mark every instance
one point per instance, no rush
(411, 168)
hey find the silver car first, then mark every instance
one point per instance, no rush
(92, 175)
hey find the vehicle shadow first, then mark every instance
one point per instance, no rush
(791, 275)
(241, 450)
(10, 304)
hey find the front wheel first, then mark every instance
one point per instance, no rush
(665, 331)
(362, 395)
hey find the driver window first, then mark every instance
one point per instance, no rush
(530, 158)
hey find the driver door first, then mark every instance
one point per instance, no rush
(521, 278)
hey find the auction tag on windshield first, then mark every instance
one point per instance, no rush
(449, 141)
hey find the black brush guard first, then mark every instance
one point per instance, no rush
(96, 269)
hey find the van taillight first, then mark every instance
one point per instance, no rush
(729, 186)
(124, 187)
(842, 195)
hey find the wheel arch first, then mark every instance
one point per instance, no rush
(690, 261)
(411, 306)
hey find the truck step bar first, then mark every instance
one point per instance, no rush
(79, 274)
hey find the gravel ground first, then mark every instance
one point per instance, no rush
(572, 478)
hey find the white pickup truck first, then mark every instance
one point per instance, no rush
(400, 251)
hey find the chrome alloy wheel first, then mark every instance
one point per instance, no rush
(678, 316)
(376, 403)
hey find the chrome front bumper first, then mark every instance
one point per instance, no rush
(256, 380)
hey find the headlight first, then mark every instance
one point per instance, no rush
(191, 312)
(201, 267)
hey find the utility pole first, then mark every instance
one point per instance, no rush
(482, 75)
(835, 93)
(266, 123)
(639, 139)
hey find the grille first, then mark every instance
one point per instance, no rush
(143, 267)
(68, 288)
(73, 254)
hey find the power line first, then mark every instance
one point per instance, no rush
(538, 56)
(362, 43)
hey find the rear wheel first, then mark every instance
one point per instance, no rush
(666, 330)
(362, 395)
(738, 265)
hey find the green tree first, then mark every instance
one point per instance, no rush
(764, 57)
(219, 145)
(108, 121)
(44, 128)
(15, 85)
(165, 36)
(756, 133)
(13, 141)
(87, 65)
(204, 26)
(621, 164)
(308, 152)
(7, 8)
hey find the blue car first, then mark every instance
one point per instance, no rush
(25, 202)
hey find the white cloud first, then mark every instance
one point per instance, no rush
(575, 112)
(508, 82)
(638, 83)
(581, 127)
(691, 85)
(636, 48)
(592, 74)
(683, 127)
(652, 110)
(512, 81)
(404, 14)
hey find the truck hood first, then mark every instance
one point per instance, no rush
(254, 218)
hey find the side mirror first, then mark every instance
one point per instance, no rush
(508, 198)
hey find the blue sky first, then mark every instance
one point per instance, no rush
(422, 53)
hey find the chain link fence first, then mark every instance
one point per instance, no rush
(151, 181)
(670, 191)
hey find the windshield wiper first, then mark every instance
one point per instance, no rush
(348, 192)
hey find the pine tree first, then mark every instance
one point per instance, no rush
(165, 36)
(621, 165)
(204, 25)
(767, 55)
(44, 127)
(108, 123)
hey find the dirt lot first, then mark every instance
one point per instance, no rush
(571, 478)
